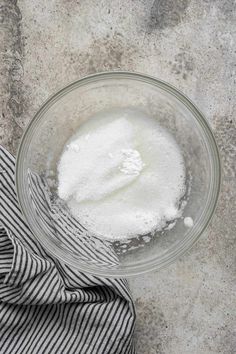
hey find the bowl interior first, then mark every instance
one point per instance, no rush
(62, 115)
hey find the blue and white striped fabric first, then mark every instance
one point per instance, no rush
(46, 306)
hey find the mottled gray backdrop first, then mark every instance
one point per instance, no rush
(189, 307)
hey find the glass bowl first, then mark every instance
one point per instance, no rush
(63, 113)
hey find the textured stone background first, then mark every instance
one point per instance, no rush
(189, 307)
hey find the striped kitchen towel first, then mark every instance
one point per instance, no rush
(47, 306)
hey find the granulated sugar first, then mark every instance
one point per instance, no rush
(122, 175)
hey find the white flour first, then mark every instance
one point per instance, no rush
(132, 163)
(122, 175)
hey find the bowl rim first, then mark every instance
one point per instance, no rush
(187, 242)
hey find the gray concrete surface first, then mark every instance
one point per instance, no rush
(189, 307)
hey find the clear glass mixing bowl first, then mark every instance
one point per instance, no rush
(61, 116)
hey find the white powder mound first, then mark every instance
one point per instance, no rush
(122, 175)
(188, 222)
